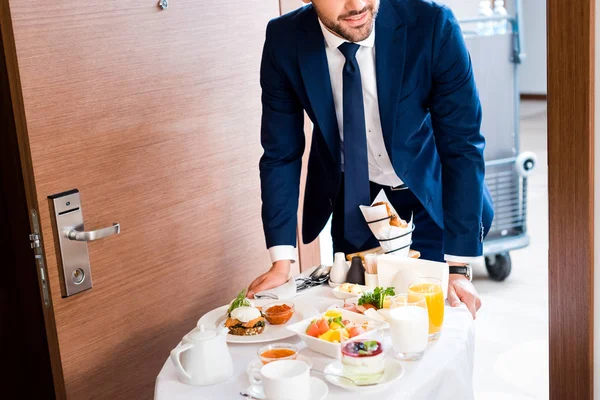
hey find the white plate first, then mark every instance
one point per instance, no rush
(393, 372)
(318, 390)
(271, 333)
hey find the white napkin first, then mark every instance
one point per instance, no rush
(285, 291)
(383, 229)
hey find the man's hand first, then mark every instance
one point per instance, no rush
(276, 276)
(460, 289)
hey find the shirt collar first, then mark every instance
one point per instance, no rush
(334, 41)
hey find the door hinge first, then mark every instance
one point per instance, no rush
(36, 245)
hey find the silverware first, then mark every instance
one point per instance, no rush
(320, 271)
(305, 283)
(315, 271)
(266, 296)
(246, 395)
(317, 277)
(344, 377)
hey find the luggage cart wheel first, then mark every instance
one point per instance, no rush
(498, 266)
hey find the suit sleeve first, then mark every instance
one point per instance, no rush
(456, 118)
(282, 139)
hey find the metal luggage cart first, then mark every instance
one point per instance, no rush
(496, 60)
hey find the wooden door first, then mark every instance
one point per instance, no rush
(153, 115)
(572, 115)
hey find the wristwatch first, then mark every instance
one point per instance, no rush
(465, 270)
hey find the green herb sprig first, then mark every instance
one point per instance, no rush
(239, 301)
(376, 297)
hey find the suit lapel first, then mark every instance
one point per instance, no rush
(315, 74)
(390, 54)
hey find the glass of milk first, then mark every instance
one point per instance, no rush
(409, 325)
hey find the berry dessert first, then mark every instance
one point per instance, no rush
(363, 361)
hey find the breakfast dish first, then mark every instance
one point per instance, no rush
(363, 361)
(300, 357)
(395, 220)
(243, 319)
(348, 290)
(374, 303)
(247, 321)
(393, 370)
(378, 298)
(323, 333)
(393, 233)
(351, 288)
(278, 313)
(332, 328)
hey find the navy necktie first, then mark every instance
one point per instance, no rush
(356, 164)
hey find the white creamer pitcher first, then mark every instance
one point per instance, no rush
(203, 357)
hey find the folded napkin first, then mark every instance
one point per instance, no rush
(285, 291)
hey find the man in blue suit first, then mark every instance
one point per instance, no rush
(389, 87)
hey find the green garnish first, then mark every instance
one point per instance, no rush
(376, 297)
(240, 301)
(371, 345)
(363, 352)
(338, 320)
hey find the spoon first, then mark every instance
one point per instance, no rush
(266, 296)
(248, 396)
(344, 377)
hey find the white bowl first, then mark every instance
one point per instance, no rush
(345, 295)
(329, 349)
(333, 284)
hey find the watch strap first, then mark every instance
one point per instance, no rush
(461, 270)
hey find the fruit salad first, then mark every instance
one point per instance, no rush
(333, 328)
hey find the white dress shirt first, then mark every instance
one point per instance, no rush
(381, 170)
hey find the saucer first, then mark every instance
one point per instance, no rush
(257, 363)
(318, 390)
(393, 372)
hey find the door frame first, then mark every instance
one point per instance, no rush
(571, 70)
(571, 75)
(27, 176)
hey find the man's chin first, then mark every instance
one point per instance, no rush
(358, 33)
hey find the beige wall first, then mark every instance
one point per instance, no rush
(289, 5)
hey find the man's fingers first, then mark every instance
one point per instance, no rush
(452, 297)
(478, 303)
(470, 301)
(255, 287)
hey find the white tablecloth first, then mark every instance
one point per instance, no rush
(444, 372)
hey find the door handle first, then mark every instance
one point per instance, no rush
(71, 244)
(88, 236)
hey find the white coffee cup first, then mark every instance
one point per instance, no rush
(282, 380)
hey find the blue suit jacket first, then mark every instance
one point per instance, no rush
(430, 116)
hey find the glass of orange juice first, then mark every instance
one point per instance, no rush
(431, 288)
